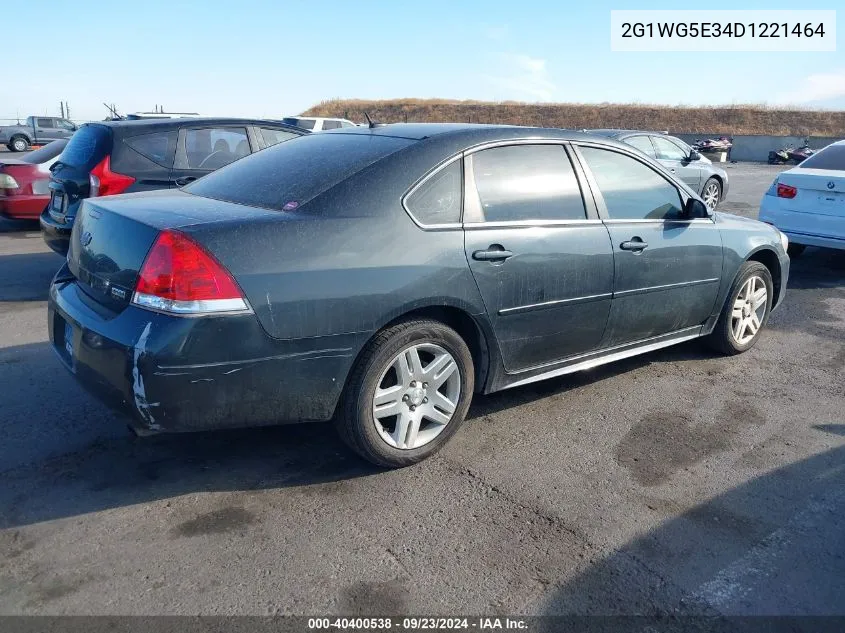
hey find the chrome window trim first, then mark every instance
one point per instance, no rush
(707, 220)
(428, 175)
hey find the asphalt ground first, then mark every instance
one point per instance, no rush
(676, 482)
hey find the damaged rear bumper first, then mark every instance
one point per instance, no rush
(187, 374)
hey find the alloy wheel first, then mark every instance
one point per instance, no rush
(19, 145)
(711, 195)
(749, 310)
(416, 396)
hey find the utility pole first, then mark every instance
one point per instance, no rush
(67, 111)
(62, 108)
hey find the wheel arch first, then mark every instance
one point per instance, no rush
(769, 258)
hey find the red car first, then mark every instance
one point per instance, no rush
(24, 190)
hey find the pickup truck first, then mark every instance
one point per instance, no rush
(38, 130)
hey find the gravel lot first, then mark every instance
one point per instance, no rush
(678, 481)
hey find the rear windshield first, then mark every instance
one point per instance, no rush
(87, 147)
(831, 157)
(42, 155)
(290, 174)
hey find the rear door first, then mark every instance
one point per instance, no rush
(203, 149)
(46, 130)
(147, 157)
(677, 161)
(667, 268)
(541, 257)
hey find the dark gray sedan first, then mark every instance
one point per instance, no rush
(381, 277)
(697, 171)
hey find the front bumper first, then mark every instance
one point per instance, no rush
(56, 235)
(172, 373)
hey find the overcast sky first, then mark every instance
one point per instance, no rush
(275, 58)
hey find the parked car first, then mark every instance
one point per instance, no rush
(807, 202)
(317, 124)
(38, 130)
(698, 172)
(24, 182)
(111, 157)
(380, 277)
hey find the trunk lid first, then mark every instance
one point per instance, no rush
(112, 236)
(820, 191)
(69, 183)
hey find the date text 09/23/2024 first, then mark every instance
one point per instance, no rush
(417, 623)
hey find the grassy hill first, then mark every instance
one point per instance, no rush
(733, 119)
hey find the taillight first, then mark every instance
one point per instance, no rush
(179, 276)
(786, 191)
(105, 182)
(7, 182)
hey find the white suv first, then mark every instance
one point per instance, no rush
(317, 124)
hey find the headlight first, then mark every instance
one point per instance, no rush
(784, 241)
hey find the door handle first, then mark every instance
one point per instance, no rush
(493, 253)
(185, 180)
(636, 245)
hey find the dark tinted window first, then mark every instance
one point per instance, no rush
(331, 125)
(631, 190)
(272, 136)
(305, 124)
(293, 173)
(642, 143)
(438, 199)
(667, 150)
(42, 155)
(158, 147)
(831, 157)
(527, 182)
(212, 148)
(45, 123)
(87, 147)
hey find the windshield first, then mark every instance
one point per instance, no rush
(290, 174)
(43, 154)
(831, 157)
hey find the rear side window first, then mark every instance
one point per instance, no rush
(46, 123)
(272, 136)
(631, 190)
(87, 147)
(831, 157)
(642, 143)
(212, 148)
(305, 124)
(526, 182)
(159, 147)
(290, 174)
(437, 200)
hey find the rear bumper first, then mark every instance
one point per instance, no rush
(187, 374)
(816, 240)
(22, 207)
(804, 226)
(56, 235)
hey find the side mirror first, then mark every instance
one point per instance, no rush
(693, 155)
(695, 208)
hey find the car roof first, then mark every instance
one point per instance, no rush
(167, 124)
(620, 133)
(467, 134)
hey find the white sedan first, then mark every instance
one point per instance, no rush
(807, 202)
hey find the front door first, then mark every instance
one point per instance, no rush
(677, 161)
(543, 264)
(667, 267)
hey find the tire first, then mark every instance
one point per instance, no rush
(795, 250)
(19, 144)
(711, 193)
(724, 338)
(377, 369)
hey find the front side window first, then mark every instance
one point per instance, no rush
(642, 143)
(526, 182)
(667, 150)
(66, 125)
(631, 190)
(212, 148)
(438, 199)
(46, 123)
(331, 125)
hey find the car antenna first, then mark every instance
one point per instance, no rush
(370, 123)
